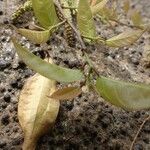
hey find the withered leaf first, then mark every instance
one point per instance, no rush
(38, 37)
(98, 7)
(125, 39)
(136, 18)
(126, 6)
(66, 93)
(36, 111)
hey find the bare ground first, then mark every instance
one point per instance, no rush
(87, 122)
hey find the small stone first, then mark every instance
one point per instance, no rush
(138, 147)
(69, 106)
(105, 122)
(7, 97)
(2, 89)
(2, 143)
(14, 84)
(135, 61)
(4, 105)
(1, 13)
(17, 140)
(5, 119)
(4, 64)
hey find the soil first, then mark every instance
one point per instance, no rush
(87, 122)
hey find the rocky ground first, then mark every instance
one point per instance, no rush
(87, 122)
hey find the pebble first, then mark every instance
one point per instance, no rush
(7, 97)
(138, 147)
(5, 119)
(2, 143)
(14, 84)
(135, 61)
(105, 122)
(4, 64)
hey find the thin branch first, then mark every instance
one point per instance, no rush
(71, 25)
(57, 25)
(127, 25)
(89, 62)
(141, 126)
(71, 8)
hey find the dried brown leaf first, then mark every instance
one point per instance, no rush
(66, 93)
(126, 6)
(36, 111)
(136, 18)
(125, 39)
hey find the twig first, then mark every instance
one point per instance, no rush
(57, 25)
(71, 25)
(71, 8)
(141, 126)
(88, 60)
(127, 25)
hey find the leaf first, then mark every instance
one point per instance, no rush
(66, 93)
(85, 19)
(130, 96)
(45, 12)
(125, 39)
(147, 27)
(37, 112)
(38, 37)
(50, 71)
(108, 14)
(136, 18)
(93, 2)
(98, 7)
(126, 6)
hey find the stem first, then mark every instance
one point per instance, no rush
(99, 39)
(57, 25)
(127, 25)
(71, 25)
(36, 26)
(67, 7)
(141, 126)
(89, 62)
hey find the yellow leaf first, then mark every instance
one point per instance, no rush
(108, 14)
(125, 39)
(66, 93)
(38, 37)
(98, 7)
(126, 6)
(93, 2)
(36, 111)
(136, 18)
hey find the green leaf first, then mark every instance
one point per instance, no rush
(125, 39)
(98, 7)
(46, 69)
(85, 19)
(38, 37)
(66, 93)
(130, 96)
(45, 12)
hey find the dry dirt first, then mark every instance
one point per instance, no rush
(87, 122)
